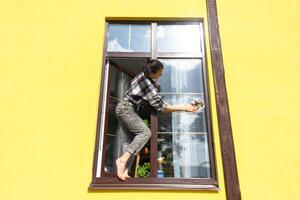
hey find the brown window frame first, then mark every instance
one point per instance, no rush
(105, 182)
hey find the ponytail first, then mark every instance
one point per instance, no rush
(146, 69)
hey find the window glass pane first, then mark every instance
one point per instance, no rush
(129, 38)
(182, 136)
(116, 135)
(184, 155)
(125, 84)
(183, 38)
(115, 77)
(182, 76)
(113, 138)
(182, 121)
(119, 82)
(111, 154)
(113, 122)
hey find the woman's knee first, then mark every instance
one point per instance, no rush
(148, 133)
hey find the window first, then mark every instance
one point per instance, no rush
(180, 153)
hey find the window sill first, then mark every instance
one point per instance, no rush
(112, 183)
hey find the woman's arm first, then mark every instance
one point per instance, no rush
(181, 107)
(156, 101)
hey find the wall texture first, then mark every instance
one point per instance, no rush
(50, 65)
(260, 41)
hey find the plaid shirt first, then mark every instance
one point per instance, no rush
(141, 90)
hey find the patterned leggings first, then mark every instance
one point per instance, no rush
(130, 120)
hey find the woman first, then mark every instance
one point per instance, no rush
(143, 89)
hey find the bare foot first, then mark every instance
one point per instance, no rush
(125, 174)
(121, 169)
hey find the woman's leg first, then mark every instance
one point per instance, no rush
(130, 120)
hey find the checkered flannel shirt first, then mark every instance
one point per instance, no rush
(141, 90)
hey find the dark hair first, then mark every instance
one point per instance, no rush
(151, 66)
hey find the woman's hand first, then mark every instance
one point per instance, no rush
(191, 108)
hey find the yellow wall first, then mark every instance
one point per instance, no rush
(50, 65)
(261, 45)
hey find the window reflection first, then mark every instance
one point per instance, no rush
(184, 155)
(128, 38)
(183, 38)
(182, 136)
(182, 76)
